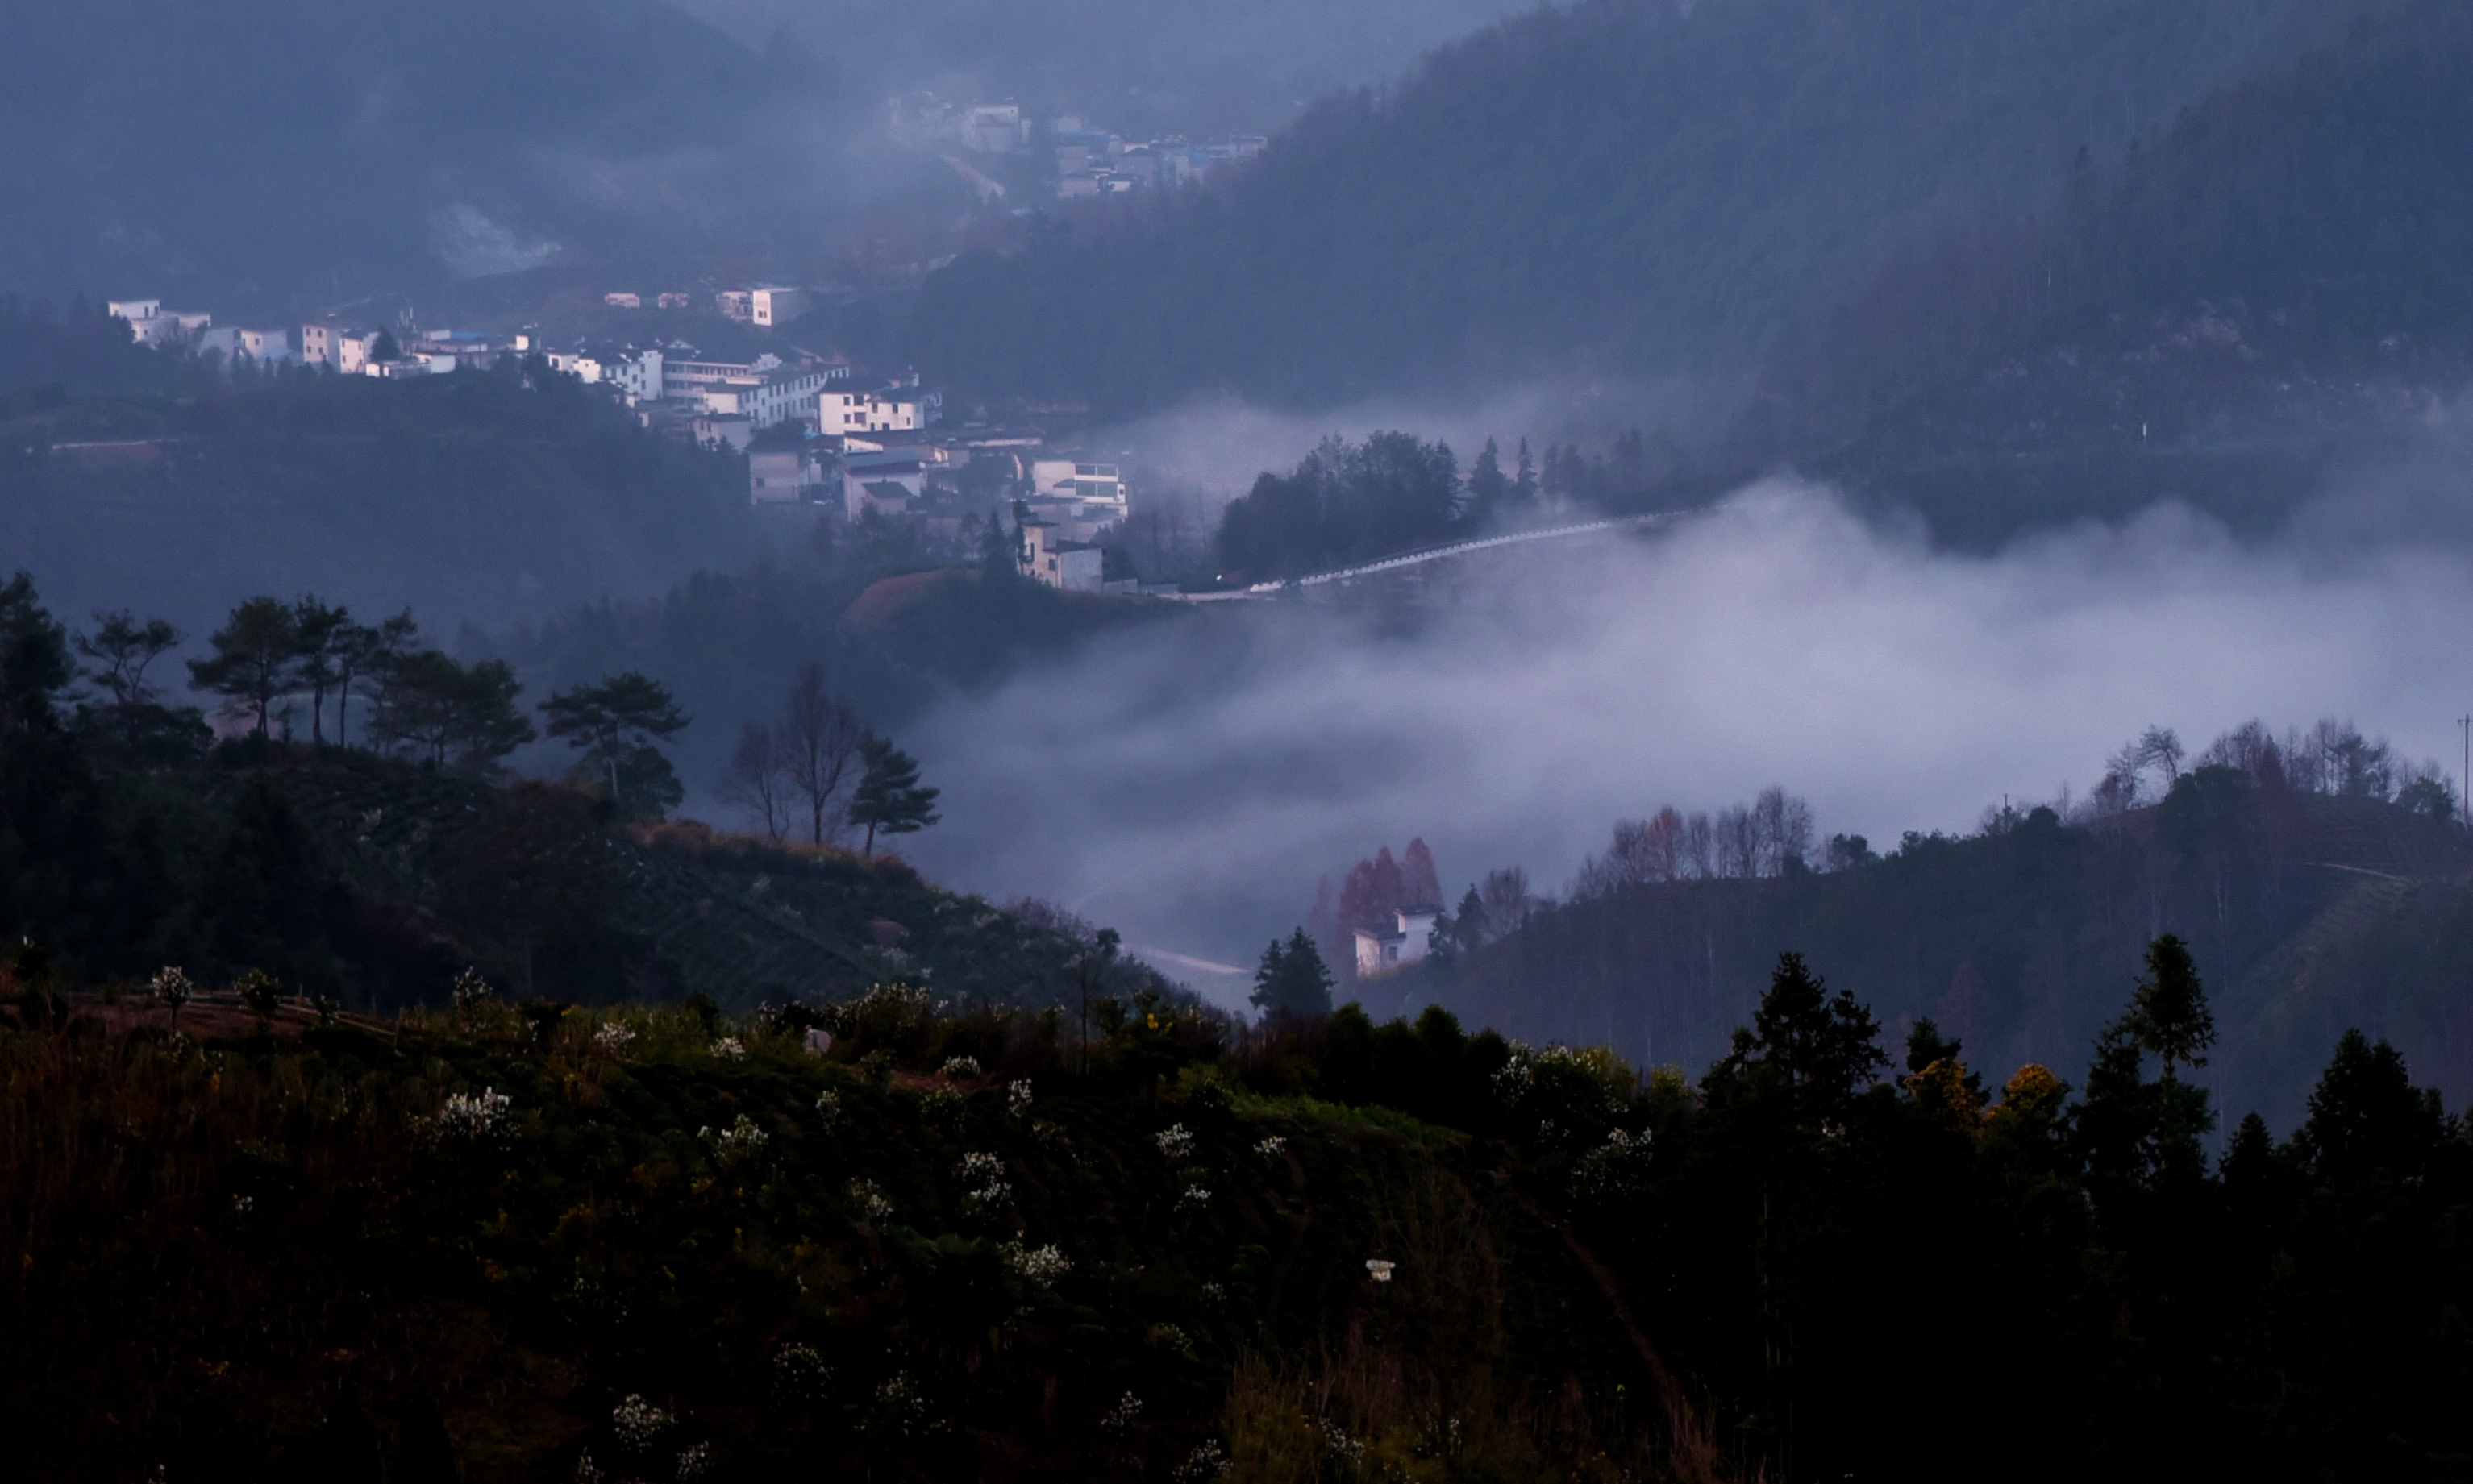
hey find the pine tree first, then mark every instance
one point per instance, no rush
(256, 654)
(889, 799)
(618, 725)
(1292, 979)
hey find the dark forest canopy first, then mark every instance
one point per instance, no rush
(1624, 185)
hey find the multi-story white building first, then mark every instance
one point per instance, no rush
(689, 379)
(346, 351)
(772, 306)
(264, 347)
(891, 410)
(1080, 499)
(153, 324)
(638, 374)
(781, 395)
(765, 307)
(781, 477)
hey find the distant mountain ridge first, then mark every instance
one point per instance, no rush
(262, 149)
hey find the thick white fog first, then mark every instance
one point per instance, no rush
(1191, 786)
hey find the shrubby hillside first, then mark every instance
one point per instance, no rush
(526, 1241)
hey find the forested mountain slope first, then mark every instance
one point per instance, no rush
(263, 149)
(1624, 185)
(2221, 312)
(2307, 914)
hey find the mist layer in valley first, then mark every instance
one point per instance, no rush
(1192, 784)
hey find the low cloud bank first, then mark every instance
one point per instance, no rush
(1189, 786)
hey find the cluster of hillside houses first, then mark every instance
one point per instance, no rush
(812, 431)
(1089, 161)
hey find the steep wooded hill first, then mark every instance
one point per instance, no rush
(2308, 914)
(2218, 313)
(1626, 185)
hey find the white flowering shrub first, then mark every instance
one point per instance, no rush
(1208, 1461)
(612, 1039)
(956, 1068)
(587, 1471)
(1195, 1198)
(885, 1009)
(1272, 1146)
(1121, 1416)
(983, 1180)
(639, 1424)
(471, 991)
(1571, 1092)
(799, 1375)
(1017, 1099)
(1335, 1441)
(869, 1198)
(738, 1143)
(829, 1109)
(694, 1462)
(1175, 1143)
(1613, 1170)
(474, 1118)
(730, 1049)
(1040, 1266)
(899, 1405)
(173, 986)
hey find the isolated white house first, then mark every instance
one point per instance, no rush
(1379, 951)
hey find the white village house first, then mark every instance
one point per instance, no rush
(1382, 949)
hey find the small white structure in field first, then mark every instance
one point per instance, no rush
(1380, 1269)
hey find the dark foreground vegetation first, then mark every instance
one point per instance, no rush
(895, 1237)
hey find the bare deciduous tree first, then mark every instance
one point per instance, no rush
(756, 781)
(817, 748)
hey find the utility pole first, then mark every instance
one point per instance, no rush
(2465, 806)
